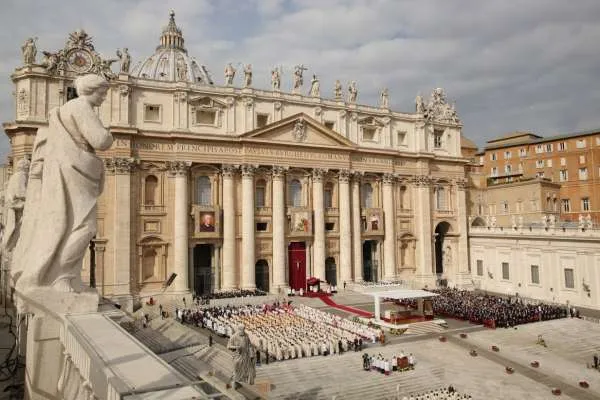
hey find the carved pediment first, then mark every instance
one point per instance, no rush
(371, 121)
(206, 102)
(299, 129)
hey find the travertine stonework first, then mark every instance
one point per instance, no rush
(231, 186)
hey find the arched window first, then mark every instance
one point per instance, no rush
(296, 193)
(440, 198)
(260, 193)
(203, 191)
(367, 195)
(328, 195)
(151, 190)
(148, 263)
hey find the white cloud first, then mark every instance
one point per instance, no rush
(527, 65)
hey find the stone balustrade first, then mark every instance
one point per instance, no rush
(87, 356)
(557, 230)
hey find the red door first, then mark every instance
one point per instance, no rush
(297, 258)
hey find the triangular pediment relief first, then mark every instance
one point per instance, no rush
(299, 129)
(371, 121)
(206, 102)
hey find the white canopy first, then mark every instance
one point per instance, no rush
(402, 294)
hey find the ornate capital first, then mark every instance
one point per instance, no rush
(344, 175)
(318, 111)
(179, 168)
(279, 171)
(249, 102)
(388, 179)
(229, 170)
(421, 180)
(461, 183)
(248, 170)
(317, 174)
(124, 90)
(120, 165)
(277, 105)
(180, 97)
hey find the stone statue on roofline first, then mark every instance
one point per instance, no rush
(384, 98)
(247, 75)
(229, 74)
(352, 92)
(298, 77)
(29, 51)
(125, 60)
(337, 90)
(276, 79)
(315, 87)
(65, 179)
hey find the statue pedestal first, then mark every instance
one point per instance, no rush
(46, 310)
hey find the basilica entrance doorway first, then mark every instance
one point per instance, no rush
(203, 268)
(331, 271)
(297, 265)
(261, 273)
(370, 264)
(441, 230)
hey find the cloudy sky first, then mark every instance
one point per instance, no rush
(527, 65)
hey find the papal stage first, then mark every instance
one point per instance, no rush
(229, 186)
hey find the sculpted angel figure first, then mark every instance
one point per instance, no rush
(337, 90)
(315, 87)
(247, 75)
(229, 74)
(65, 179)
(275, 79)
(352, 92)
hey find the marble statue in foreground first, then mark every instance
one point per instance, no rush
(65, 179)
(243, 360)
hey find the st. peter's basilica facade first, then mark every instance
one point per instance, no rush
(235, 187)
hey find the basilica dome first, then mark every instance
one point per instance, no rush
(170, 62)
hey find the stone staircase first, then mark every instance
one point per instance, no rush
(422, 328)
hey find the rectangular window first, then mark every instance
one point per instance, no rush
(507, 155)
(437, 139)
(569, 278)
(563, 161)
(581, 159)
(539, 163)
(505, 207)
(369, 134)
(152, 113)
(535, 274)
(549, 148)
(562, 146)
(508, 169)
(523, 152)
(480, 267)
(494, 171)
(585, 204)
(481, 160)
(581, 144)
(262, 120)
(329, 125)
(539, 174)
(505, 271)
(206, 117)
(597, 140)
(260, 196)
(563, 175)
(583, 174)
(566, 205)
(401, 138)
(493, 156)
(539, 148)
(549, 163)
(261, 226)
(329, 226)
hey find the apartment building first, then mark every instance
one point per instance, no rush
(571, 160)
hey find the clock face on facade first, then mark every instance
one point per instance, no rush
(80, 60)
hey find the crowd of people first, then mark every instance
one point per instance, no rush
(492, 311)
(227, 294)
(370, 284)
(448, 393)
(398, 362)
(281, 331)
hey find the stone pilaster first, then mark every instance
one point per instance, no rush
(248, 257)
(389, 242)
(356, 228)
(180, 170)
(463, 245)
(345, 227)
(279, 223)
(319, 227)
(122, 249)
(229, 245)
(422, 189)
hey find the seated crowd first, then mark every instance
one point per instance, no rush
(282, 331)
(439, 394)
(492, 311)
(227, 294)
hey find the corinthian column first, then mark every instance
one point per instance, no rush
(248, 278)
(319, 242)
(345, 227)
(356, 229)
(229, 247)
(278, 228)
(180, 229)
(422, 185)
(389, 242)
(462, 265)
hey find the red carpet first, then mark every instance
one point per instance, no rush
(327, 300)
